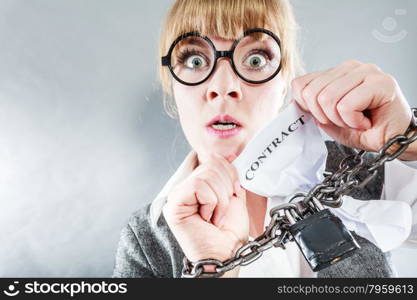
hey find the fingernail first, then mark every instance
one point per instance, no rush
(231, 157)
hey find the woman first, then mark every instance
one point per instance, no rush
(222, 99)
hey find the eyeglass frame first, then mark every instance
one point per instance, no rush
(166, 60)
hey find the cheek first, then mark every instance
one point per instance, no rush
(189, 106)
(268, 100)
(186, 99)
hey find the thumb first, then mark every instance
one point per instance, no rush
(345, 136)
(240, 192)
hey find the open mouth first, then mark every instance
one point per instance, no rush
(224, 125)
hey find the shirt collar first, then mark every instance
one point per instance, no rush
(186, 167)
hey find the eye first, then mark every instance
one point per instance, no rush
(256, 60)
(195, 62)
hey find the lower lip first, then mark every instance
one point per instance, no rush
(224, 133)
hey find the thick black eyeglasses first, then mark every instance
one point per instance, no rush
(255, 57)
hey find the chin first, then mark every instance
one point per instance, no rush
(225, 151)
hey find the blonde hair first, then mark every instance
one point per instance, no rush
(228, 19)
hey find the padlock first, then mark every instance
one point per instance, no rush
(321, 236)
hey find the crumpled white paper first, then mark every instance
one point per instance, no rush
(386, 223)
(287, 155)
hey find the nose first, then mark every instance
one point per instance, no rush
(224, 83)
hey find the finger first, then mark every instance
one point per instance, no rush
(238, 203)
(350, 137)
(206, 198)
(331, 95)
(240, 191)
(298, 84)
(317, 102)
(311, 92)
(216, 165)
(229, 167)
(222, 197)
(203, 158)
(352, 105)
(190, 196)
(302, 105)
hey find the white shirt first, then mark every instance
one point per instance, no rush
(388, 224)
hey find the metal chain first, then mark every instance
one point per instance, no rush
(329, 193)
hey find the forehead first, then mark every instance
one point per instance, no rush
(221, 43)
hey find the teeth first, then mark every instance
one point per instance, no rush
(223, 127)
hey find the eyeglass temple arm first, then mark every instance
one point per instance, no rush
(165, 60)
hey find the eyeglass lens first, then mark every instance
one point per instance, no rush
(256, 57)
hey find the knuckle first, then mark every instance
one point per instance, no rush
(324, 98)
(224, 202)
(299, 83)
(307, 93)
(197, 183)
(296, 84)
(211, 158)
(375, 68)
(389, 80)
(210, 173)
(342, 107)
(390, 84)
(371, 68)
(351, 63)
(214, 161)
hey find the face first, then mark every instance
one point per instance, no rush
(228, 99)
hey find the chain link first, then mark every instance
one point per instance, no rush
(329, 193)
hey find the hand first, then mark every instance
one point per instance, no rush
(356, 104)
(207, 212)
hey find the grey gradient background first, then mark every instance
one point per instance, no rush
(84, 140)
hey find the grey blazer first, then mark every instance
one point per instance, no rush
(148, 251)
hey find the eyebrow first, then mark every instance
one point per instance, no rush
(244, 42)
(194, 41)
